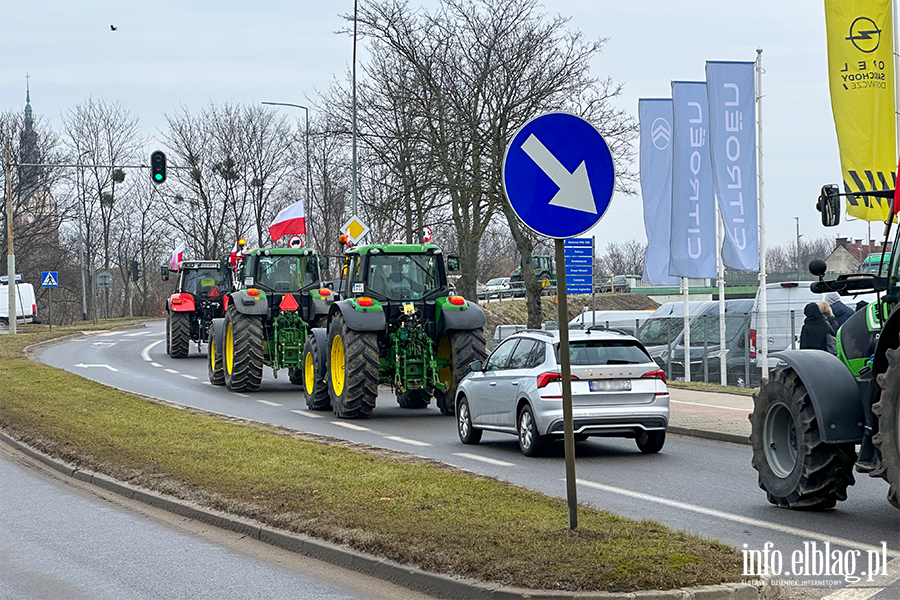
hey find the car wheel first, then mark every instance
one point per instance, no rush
(467, 432)
(530, 441)
(650, 442)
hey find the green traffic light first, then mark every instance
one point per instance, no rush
(158, 176)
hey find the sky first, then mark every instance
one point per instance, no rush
(167, 54)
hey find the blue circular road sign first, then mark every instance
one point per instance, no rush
(558, 175)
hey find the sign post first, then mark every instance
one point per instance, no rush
(50, 279)
(558, 176)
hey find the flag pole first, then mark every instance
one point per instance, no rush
(896, 81)
(687, 328)
(762, 315)
(720, 267)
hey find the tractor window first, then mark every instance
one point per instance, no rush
(284, 273)
(403, 277)
(207, 283)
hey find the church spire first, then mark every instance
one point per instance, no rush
(28, 117)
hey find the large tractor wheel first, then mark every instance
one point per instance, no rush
(796, 468)
(243, 351)
(459, 348)
(168, 333)
(179, 334)
(314, 375)
(295, 376)
(414, 399)
(887, 440)
(216, 366)
(352, 370)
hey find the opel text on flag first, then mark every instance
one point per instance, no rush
(655, 117)
(693, 241)
(732, 145)
(176, 258)
(290, 221)
(861, 77)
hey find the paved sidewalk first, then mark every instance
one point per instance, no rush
(712, 415)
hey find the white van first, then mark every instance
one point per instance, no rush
(26, 307)
(785, 298)
(627, 320)
(664, 328)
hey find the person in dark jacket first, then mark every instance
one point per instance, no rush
(815, 332)
(841, 311)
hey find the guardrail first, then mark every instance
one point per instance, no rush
(517, 290)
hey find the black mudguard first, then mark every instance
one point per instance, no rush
(247, 306)
(358, 320)
(217, 332)
(321, 335)
(462, 320)
(836, 396)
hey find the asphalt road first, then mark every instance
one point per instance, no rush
(60, 538)
(703, 487)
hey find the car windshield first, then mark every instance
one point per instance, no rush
(403, 276)
(284, 273)
(203, 282)
(707, 328)
(605, 352)
(658, 332)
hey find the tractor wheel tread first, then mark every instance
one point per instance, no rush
(887, 440)
(179, 334)
(248, 338)
(414, 399)
(361, 376)
(319, 400)
(466, 347)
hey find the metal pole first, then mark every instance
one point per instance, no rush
(793, 332)
(686, 342)
(50, 314)
(353, 206)
(720, 235)
(566, 373)
(10, 253)
(308, 184)
(762, 316)
(593, 288)
(799, 266)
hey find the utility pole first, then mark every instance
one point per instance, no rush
(355, 186)
(10, 254)
(799, 266)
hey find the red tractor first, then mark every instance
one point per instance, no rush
(201, 295)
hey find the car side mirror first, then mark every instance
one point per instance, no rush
(475, 366)
(164, 272)
(453, 263)
(829, 204)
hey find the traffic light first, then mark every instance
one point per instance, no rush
(158, 166)
(136, 271)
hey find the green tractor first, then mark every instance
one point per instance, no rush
(817, 407)
(268, 318)
(398, 326)
(543, 269)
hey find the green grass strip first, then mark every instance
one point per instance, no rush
(412, 511)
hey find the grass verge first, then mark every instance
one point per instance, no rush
(389, 504)
(712, 387)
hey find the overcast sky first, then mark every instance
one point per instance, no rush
(170, 53)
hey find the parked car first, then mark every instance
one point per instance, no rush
(626, 320)
(26, 306)
(497, 286)
(617, 391)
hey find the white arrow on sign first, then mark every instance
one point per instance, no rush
(84, 366)
(574, 188)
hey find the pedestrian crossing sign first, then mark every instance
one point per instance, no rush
(49, 279)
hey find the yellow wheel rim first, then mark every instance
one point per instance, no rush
(308, 373)
(212, 353)
(445, 351)
(337, 365)
(229, 349)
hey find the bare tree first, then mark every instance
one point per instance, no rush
(625, 258)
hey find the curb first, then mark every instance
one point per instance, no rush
(434, 584)
(718, 436)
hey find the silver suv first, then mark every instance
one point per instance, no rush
(617, 391)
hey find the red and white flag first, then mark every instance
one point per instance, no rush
(290, 221)
(177, 257)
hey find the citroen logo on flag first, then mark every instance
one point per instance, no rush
(864, 34)
(661, 133)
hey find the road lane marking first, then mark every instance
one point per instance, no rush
(84, 366)
(869, 587)
(241, 395)
(269, 403)
(306, 413)
(402, 440)
(205, 383)
(153, 364)
(743, 410)
(106, 344)
(803, 533)
(108, 333)
(352, 426)
(171, 371)
(188, 376)
(485, 459)
(136, 334)
(145, 353)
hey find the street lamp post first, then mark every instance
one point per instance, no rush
(81, 240)
(308, 175)
(10, 253)
(355, 193)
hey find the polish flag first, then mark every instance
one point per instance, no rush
(177, 257)
(233, 256)
(290, 221)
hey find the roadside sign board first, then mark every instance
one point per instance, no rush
(579, 265)
(427, 234)
(355, 229)
(104, 279)
(49, 279)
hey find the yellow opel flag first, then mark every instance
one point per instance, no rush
(861, 76)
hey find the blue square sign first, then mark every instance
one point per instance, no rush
(49, 279)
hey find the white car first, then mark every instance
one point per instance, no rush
(497, 286)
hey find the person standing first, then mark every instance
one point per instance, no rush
(841, 311)
(815, 332)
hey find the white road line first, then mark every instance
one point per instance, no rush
(743, 410)
(171, 371)
(870, 585)
(306, 413)
(485, 459)
(352, 426)
(84, 366)
(406, 440)
(269, 403)
(241, 395)
(106, 344)
(854, 593)
(137, 334)
(153, 364)
(145, 353)
(205, 383)
(188, 376)
(108, 333)
(718, 514)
